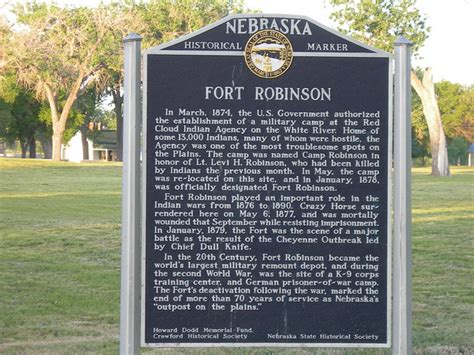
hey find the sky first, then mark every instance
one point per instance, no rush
(449, 49)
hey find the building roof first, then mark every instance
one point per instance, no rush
(106, 139)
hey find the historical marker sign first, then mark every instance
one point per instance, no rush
(266, 187)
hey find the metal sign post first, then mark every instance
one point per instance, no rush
(131, 251)
(402, 293)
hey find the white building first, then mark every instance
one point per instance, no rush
(470, 157)
(102, 147)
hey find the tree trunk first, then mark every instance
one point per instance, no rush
(60, 119)
(46, 144)
(438, 143)
(24, 147)
(118, 102)
(32, 146)
(58, 132)
(85, 145)
(57, 140)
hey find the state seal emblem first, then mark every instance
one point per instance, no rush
(268, 54)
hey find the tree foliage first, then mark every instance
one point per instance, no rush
(458, 151)
(379, 22)
(157, 21)
(57, 53)
(61, 52)
(456, 103)
(18, 114)
(164, 20)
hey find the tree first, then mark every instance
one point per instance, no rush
(438, 142)
(60, 52)
(124, 16)
(458, 151)
(420, 136)
(378, 23)
(55, 53)
(164, 20)
(157, 21)
(456, 106)
(18, 115)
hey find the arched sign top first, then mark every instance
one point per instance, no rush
(231, 34)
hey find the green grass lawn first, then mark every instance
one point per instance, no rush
(60, 261)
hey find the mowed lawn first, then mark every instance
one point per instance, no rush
(60, 261)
